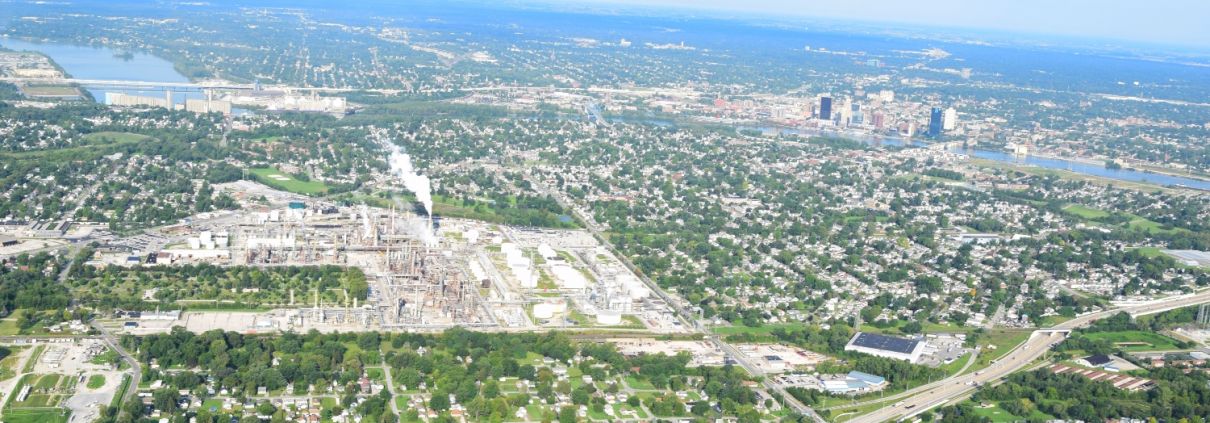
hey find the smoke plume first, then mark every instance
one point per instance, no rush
(401, 166)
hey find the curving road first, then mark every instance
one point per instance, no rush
(1039, 343)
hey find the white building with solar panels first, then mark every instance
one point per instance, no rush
(886, 346)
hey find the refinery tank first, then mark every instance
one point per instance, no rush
(609, 318)
(548, 310)
(569, 278)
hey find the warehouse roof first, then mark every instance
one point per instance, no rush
(885, 343)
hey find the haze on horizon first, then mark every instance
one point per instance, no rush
(1171, 22)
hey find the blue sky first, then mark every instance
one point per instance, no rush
(1179, 22)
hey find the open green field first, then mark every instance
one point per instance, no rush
(95, 381)
(53, 415)
(896, 328)
(8, 366)
(759, 330)
(1004, 340)
(1136, 340)
(998, 415)
(1085, 212)
(1134, 222)
(281, 180)
(227, 289)
(8, 325)
(119, 137)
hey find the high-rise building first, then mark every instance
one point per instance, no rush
(825, 108)
(935, 124)
(878, 119)
(950, 120)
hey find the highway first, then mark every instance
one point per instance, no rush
(1041, 341)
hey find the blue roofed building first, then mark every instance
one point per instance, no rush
(854, 383)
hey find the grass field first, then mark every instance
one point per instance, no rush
(8, 325)
(33, 359)
(95, 381)
(1139, 340)
(1134, 222)
(8, 366)
(760, 330)
(119, 137)
(998, 415)
(46, 391)
(1004, 340)
(54, 415)
(281, 180)
(1085, 212)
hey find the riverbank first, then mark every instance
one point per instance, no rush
(1076, 176)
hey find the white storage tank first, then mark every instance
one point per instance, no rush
(548, 309)
(544, 311)
(609, 318)
(568, 277)
(546, 252)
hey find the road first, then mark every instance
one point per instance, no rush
(136, 374)
(1039, 343)
(769, 383)
(386, 371)
(685, 315)
(969, 362)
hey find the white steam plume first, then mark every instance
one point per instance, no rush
(401, 166)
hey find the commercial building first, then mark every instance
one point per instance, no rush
(208, 106)
(949, 120)
(825, 108)
(854, 383)
(935, 124)
(905, 349)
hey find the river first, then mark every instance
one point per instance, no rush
(1075, 166)
(105, 63)
(108, 64)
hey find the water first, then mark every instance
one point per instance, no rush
(1087, 168)
(104, 63)
(1093, 169)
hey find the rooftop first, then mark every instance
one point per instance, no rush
(885, 343)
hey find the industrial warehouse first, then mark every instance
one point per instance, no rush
(905, 349)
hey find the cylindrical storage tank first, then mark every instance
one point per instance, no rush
(637, 290)
(544, 310)
(609, 318)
